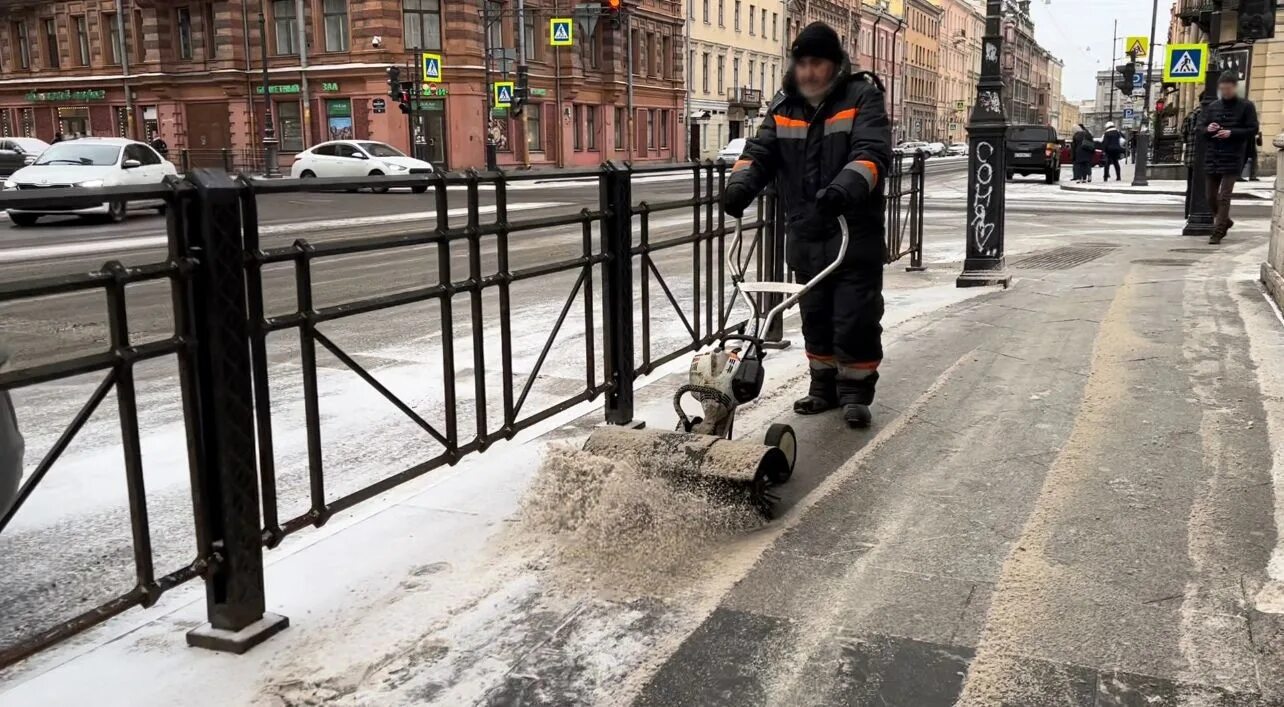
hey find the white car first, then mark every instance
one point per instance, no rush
(912, 146)
(357, 158)
(733, 150)
(958, 149)
(935, 149)
(90, 163)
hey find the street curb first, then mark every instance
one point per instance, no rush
(1149, 192)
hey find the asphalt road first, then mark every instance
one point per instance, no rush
(72, 542)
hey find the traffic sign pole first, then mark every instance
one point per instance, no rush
(1141, 161)
(1199, 217)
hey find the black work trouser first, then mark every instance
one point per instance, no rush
(841, 321)
(1218, 190)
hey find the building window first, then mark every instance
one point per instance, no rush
(211, 38)
(531, 46)
(666, 60)
(620, 124)
(577, 112)
(650, 129)
(185, 32)
(775, 19)
(113, 34)
(140, 47)
(421, 20)
(751, 15)
(763, 33)
(52, 59)
(82, 41)
(706, 12)
(664, 129)
(735, 72)
(752, 66)
(534, 133)
(285, 25)
(705, 66)
(590, 126)
(722, 89)
(20, 40)
(289, 126)
(736, 16)
(721, 13)
(335, 14)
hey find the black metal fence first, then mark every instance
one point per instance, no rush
(236, 161)
(215, 264)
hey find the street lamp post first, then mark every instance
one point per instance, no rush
(987, 164)
(1141, 160)
(269, 130)
(1199, 214)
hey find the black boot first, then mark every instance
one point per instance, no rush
(855, 394)
(857, 415)
(822, 395)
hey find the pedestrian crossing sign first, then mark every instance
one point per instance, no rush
(503, 94)
(431, 67)
(1185, 63)
(1137, 46)
(560, 33)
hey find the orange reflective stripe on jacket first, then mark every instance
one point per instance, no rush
(741, 164)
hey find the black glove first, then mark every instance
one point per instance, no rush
(831, 201)
(735, 199)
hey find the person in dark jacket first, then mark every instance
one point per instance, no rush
(57, 138)
(11, 447)
(1227, 125)
(826, 142)
(1082, 148)
(160, 146)
(1112, 147)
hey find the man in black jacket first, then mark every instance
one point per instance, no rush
(1227, 125)
(827, 143)
(1112, 148)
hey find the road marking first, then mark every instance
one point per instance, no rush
(18, 255)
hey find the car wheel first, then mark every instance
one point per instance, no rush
(23, 220)
(115, 211)
(307, 174)
(419, 189)
(1010, 175)
(378, 190)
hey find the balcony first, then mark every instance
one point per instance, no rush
(1200, 11)
(744, 97)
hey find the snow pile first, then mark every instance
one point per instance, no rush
(612, 525)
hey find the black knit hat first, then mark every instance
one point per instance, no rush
(1228, 77)
(818, 40)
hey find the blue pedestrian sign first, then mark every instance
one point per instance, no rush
(503, 94)
(1185, 63)
(560, 32)
(432, 67)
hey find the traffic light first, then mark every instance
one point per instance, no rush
(521, 91)
(1126, 73)
(394, 83)
(611, 11)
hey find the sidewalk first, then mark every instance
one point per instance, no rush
(1067, 498)
(1261, 189)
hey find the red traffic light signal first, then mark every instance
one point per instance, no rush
(612, 5)
(1159, 105)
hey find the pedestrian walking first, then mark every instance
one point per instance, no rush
(826, 144)
(1082, 148)
(1227, 125)
(161, 147)
(57, 138)
(1112, 147)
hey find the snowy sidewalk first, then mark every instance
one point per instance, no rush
(1067, 498)
(1261, 189)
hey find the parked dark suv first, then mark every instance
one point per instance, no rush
(18, 152)
(1034, 149)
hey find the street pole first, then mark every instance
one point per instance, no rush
(124, 70)
(523, 142)
(1141, 161)
(269, 130)
(1199, 218)
(628, 43)
(303, 75)
(987, 164)
(413, 65)
(489, 90)
(1109, 84)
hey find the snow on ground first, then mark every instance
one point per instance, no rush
(417, 596)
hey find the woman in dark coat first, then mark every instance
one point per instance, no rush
(1082, 149)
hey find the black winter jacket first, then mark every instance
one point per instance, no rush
(1082, 147)
(1112, 142)
(846, 142)
(1227, 155)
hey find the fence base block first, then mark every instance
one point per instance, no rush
(984, 279)
(780, 345)
(630, 425)
(916, 268)
(238, 642)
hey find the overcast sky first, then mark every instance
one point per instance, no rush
(1079, 32)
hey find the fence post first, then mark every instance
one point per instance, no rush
(227, 159)
(773, 255)
(225, 474)
(184, 161)
(917, 182)
(616, 202)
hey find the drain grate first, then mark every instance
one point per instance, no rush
(1065, 257)
(1170, 262)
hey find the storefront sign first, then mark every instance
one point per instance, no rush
(430, 91)
(289, 88)
(539, 92)
(95, 94)
(379, 105)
